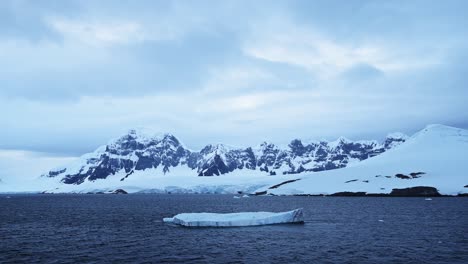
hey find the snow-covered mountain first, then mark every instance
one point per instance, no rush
(140, 152)
(436, 156)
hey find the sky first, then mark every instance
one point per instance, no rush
(75, 74)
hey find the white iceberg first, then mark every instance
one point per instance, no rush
(236, 219)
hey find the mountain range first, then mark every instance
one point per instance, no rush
(164, 154)
(432, 161)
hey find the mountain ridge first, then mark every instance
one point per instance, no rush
(435, 156)
(140, 150)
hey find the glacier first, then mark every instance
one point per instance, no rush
(236, 219)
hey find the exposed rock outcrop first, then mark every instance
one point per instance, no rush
(416, 191)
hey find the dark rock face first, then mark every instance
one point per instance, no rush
(119, 191)
(416, 191)
(136, 152)
(283, 183)
(351, 181)
(417, 174)
(129, 153)
(419, 191)
(315, 156)
(55, 173)
(413, 175)
(219, 159)
(393, 140)
(402, 176)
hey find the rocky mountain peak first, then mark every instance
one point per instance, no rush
(394, 139)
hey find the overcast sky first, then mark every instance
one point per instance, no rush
(76, 73)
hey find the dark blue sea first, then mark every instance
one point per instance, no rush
(128, 229)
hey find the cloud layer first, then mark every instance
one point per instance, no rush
(77, 73)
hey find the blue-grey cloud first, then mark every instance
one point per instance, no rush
(75, 73)
(361, 72)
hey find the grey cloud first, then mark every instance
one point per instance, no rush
(25, 19)
(67, 97)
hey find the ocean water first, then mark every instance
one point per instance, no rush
(129, 228)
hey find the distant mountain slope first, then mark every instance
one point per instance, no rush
(437, 156)
(164, 154)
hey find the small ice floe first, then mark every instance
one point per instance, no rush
(236, 219)
(243, 196)
(428, 199)
(380, 220)
(7, 197)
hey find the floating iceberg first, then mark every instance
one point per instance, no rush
(243, 196)
(236, 219)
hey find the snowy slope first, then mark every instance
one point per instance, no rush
(180, 181)
(19, 170)
(440, 152)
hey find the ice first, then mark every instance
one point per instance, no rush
(243, 196)
(236, 219)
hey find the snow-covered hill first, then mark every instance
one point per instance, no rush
(437, 156)
(137, 154)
